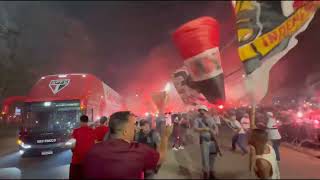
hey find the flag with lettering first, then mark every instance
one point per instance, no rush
(266, 32)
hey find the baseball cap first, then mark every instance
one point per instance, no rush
(203, 107)
(269, 113)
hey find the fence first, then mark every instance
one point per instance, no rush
(301, 135)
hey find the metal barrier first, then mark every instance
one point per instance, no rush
(301, 135)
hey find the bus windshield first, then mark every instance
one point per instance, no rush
(51, 116)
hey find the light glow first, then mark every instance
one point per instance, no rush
(167, 87)
(47, 104)
(300, 114)
(70, 142)
(62, 76)
(25, 146)
(19, 142)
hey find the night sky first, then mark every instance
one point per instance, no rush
(128, 44)
(134, 38)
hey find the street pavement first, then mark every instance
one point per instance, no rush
(294, 165)
(233, 165)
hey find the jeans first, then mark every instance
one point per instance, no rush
(208, 155)
(240, 140)
(276, 146)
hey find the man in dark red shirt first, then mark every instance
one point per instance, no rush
(101, 130)
(121, 158)
(84, 136)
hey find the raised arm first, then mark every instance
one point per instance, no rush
(163, 147)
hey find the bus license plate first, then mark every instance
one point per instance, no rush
(44, 153)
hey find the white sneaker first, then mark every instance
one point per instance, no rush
(175, 149)
(181, 147)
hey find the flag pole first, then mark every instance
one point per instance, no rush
(253, 115)
(250, 88)
(252, 100)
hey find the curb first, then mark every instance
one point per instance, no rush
(307, 151)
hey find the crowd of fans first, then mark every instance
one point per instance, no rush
(126, 146)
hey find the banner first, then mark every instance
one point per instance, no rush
(198, 44)
(183, 83)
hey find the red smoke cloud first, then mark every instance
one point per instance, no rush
(150, 76)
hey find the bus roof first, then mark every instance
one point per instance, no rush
(64, 87)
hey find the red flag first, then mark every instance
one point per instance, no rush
(198, 44)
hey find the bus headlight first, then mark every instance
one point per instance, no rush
(25, 146)
(70, 142)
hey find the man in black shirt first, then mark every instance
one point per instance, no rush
(150, 137)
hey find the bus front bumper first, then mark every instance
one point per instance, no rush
(47, 149)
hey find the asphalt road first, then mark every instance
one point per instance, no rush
(294, 165)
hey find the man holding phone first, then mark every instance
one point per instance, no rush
(207, 129)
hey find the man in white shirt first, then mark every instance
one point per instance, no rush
(245, 122)
(216, 117)
(239, 137)
(273, 134)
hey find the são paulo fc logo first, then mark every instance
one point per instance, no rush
(58, 85)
